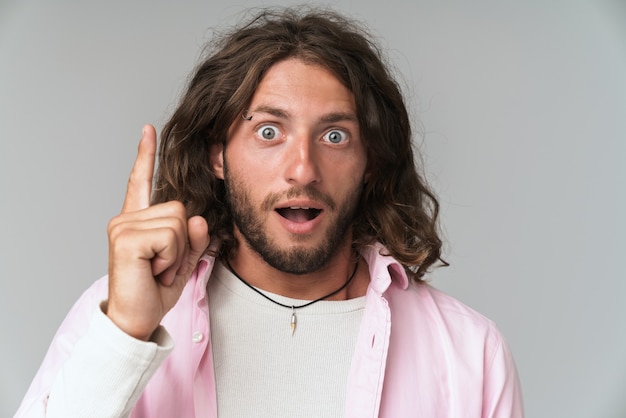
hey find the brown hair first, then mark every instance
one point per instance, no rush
(396, 208)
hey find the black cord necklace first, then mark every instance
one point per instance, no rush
(294, 319)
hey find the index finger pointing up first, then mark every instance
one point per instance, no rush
(140, 181)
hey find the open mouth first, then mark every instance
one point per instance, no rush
(299, 214)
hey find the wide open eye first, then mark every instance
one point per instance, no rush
(336, 136)
(268, 132)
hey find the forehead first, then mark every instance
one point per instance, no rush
(298, 85)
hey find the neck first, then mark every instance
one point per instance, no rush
(309, 286)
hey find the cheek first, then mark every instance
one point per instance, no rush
(348, 183)
(247, 165)
(250, 181)
(356, 163)
(350, 171)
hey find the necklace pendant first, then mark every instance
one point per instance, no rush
(294, 320)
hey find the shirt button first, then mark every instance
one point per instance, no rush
(197, 337)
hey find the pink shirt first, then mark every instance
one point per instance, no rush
(419, 353)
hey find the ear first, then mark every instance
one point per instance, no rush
(216, 158)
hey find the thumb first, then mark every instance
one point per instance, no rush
(198, 234)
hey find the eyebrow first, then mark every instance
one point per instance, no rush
(274, 111)
(283, 114)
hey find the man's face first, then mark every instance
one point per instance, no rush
(294, 172)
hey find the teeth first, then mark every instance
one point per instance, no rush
(299, 207)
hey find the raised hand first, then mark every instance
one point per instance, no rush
(152, 250)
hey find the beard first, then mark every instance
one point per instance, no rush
(295, 259)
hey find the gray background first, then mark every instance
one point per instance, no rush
(522, 109)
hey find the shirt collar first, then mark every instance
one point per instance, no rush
(383, 269)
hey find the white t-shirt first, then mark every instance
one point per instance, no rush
(261, 369)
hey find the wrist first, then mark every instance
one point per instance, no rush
(140, 330)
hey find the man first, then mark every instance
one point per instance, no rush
(291, 149)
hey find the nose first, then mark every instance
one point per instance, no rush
(302, 161)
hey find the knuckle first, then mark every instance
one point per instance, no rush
(174, 227)
(177, 209)
(171, 234)
(119, 239)
(113, 227)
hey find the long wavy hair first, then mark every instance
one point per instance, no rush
(397, 208)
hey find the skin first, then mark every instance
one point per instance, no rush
(304, 106)
(311, 156)
(152, 250)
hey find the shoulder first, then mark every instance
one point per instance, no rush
(429, 297)
(427, 320)
(435, 338)
(421, 307)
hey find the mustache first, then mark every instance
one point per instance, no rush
(297, 192)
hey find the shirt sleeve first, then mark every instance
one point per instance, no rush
(92, 368)
(502, 393)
